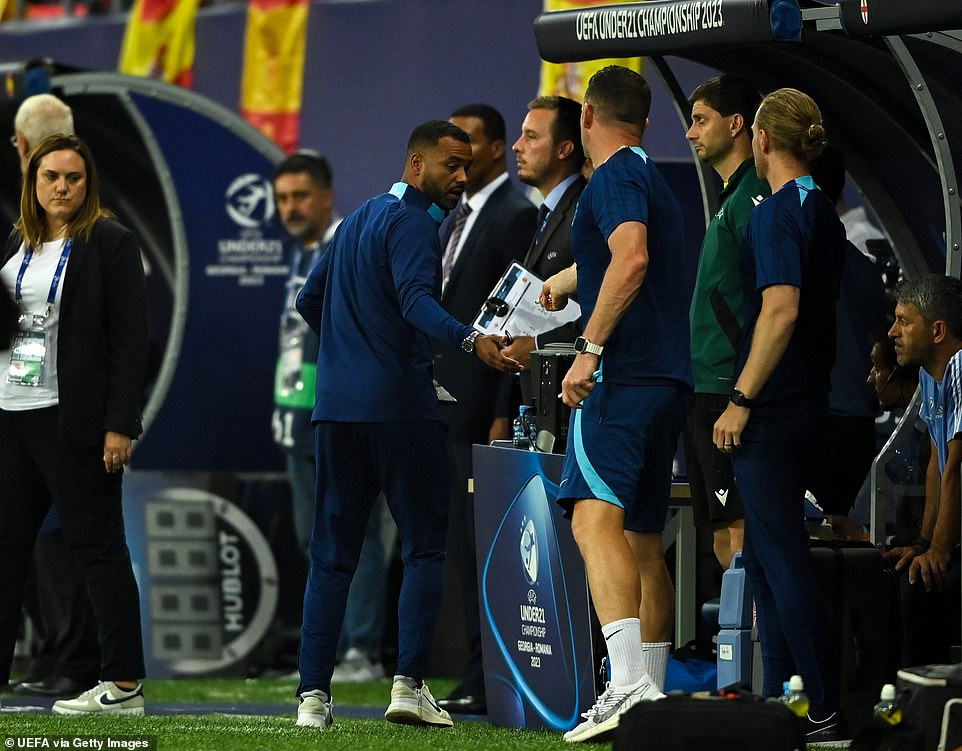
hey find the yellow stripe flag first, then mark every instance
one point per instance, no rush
(571, 79)
(273, 75)
(159, 41)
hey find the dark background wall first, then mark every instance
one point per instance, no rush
(373, 70)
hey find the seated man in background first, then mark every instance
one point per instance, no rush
(894, 386)
(928, 331)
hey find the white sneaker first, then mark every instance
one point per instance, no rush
(357, 667)
(104, 698)
(415, 706)
(606, 713)
(316, 710)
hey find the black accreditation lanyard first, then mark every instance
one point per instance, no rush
(54, 283)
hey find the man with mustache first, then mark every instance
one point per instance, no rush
(373, 299)
(928, 332)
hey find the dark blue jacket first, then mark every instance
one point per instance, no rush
(373, 300)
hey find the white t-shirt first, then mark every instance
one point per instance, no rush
(34, 291)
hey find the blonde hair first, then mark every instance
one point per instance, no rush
(793, 122)
(32, 224)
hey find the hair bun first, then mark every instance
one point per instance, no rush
(816, 131)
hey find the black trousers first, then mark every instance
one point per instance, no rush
(67, 645)
(38, 468)
(462, 552)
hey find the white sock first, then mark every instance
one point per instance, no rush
(654, 659)
(408, 681)
(623, 639)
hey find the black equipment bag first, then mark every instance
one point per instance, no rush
(878, 735)
(733, 722)
(858, 593)
(923, 693)
(951, 736)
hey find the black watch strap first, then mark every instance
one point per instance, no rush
(737, 398)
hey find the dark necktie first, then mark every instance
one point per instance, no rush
(543, 213)
(460, 219)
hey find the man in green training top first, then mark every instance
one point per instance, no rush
(722, 111)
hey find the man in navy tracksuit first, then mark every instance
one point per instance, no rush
(373, 300)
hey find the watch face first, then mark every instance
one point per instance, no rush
(580, 343)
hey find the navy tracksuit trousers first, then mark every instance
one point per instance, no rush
(772, 469)
(355, 461)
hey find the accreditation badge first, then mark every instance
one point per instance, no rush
(294, 379)
(27, 357)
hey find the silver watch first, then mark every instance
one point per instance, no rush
(582, 346)
(467, 344)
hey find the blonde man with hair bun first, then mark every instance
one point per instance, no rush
(791, 264)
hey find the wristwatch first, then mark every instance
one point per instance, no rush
(582, 345)
(467, 344)
(737, 398)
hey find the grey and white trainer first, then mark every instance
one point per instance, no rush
(606, 713)
(315, 710)
(415, 706)
(104, 698)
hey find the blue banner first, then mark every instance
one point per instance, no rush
(217, 410)
(535, 611)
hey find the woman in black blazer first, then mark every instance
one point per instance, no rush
(71, 391)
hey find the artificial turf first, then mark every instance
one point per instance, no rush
(213, 731)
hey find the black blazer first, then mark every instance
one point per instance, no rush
(553, 253)
(498, 237)
(102, 337)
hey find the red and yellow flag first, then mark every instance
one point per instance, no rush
(571, 79)
(159, 41)
(273, 75)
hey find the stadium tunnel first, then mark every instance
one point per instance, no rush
(191, 179)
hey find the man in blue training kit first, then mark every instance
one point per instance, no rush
(628, 387)
(928, 331)
(373, 300)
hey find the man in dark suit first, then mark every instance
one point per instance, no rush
(550, 158)
(490, 228)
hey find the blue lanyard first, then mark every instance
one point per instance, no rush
(54, 283)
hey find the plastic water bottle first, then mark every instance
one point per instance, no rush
(796, 700)
(519, 432)
(786, 690)
(886, 708)
(530, 424)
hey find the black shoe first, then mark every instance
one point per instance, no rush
(829, 730)
(59, 686)
(32, 676)
(467, 704)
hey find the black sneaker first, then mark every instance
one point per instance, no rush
(830, 730)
